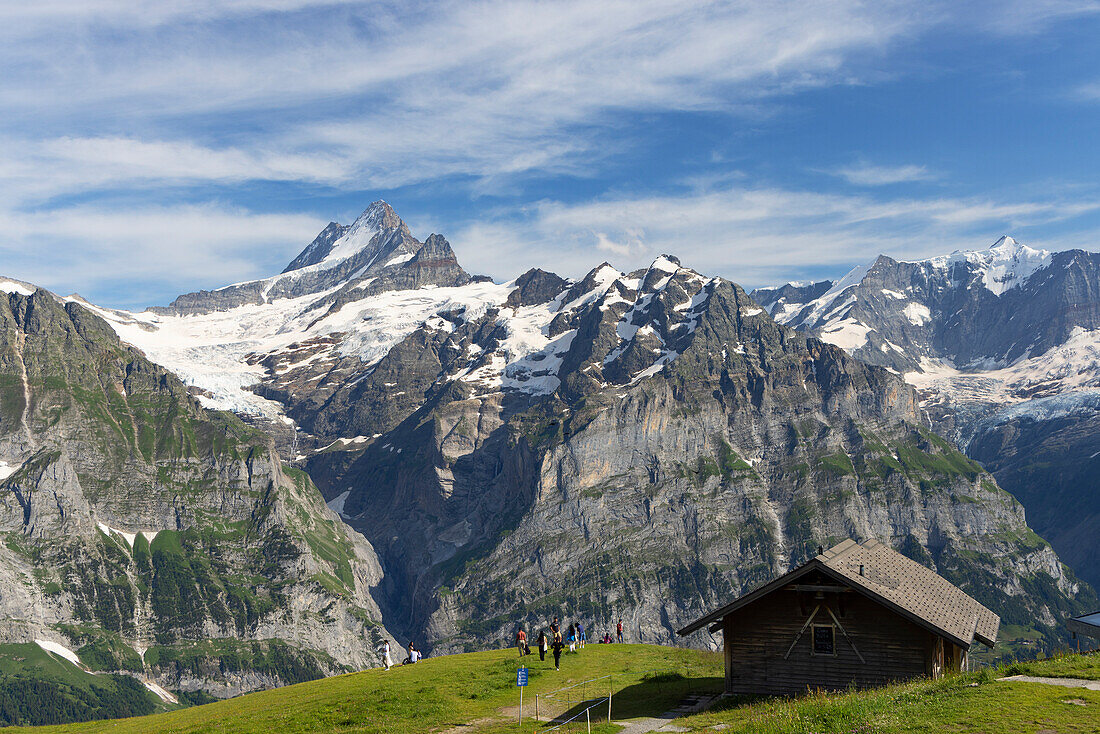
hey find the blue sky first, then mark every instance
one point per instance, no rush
(152, 148)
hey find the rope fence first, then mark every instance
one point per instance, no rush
(587, 716)
(558, 697)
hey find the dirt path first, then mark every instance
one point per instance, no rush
(1092, 685)
(692, 704)
(472, 726)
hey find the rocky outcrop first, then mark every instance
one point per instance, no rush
(375, 254)
(691, 448)
(133, 516)
(1003, 346)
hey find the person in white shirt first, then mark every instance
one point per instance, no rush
(386, 659)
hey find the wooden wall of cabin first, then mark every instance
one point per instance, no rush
(759, 635)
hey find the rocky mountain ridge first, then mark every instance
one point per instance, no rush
(641, 444)
(156, 537)
(1003, 345)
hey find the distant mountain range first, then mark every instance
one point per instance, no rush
(1004, 346)
(641, 444)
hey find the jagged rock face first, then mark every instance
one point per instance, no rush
(320, 248)
(376, 253)
(994, 306)
(677, 447)
(644, 444)
(1003, 345)
(133, 515)
(1052, 465)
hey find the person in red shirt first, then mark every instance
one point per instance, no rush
(521, 642)
(619, 630)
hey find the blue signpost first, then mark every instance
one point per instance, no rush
(521, 681)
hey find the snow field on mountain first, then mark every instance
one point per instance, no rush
(209, 350)
(847, 334)
(1070, 367)
(59, 649)
(1005, 265)
(6, 469)
(10, 286)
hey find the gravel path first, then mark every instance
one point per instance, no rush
(690, 705)
(1092, 685)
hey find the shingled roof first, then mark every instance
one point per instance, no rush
(903, 585)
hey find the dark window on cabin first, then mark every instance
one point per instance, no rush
(824, 640)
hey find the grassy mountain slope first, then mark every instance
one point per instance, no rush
(136, 522)
(971, 702)
(446, 691)
(477, 692)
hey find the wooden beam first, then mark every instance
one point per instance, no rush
(817, 587)
(799, 635)
(846, 637)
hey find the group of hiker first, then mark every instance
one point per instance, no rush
(387, 659)
(552, 640)
(555, 641)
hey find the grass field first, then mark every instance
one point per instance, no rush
(444, 692)
(476, 692)
(971, 702)
(40, 687)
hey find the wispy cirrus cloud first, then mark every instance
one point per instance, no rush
(158, 117)
(384, 95)
(867, 174)
(146, 252)
(751, 235)
(1088, 92)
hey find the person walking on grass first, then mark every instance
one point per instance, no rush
(571, 638)
(521, 642)
(542, 644)
(387, 660)
(557, 648)
(619, 630)
(581, 637)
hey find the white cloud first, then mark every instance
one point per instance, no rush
(1089, 92)
(866, 174)
(751, 235)
(365, 93)
(155, 250)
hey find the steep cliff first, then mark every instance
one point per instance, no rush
(667, 446)
(1004, 346)
(139, 526)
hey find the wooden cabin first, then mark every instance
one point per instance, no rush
(1087, 625)
(858, 614)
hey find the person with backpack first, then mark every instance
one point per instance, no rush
(521, 642)
(619, 630)
(557, 646)
(542, 644)
(572, 638)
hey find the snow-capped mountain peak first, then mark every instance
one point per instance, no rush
(1005, 265)
(373, 229)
